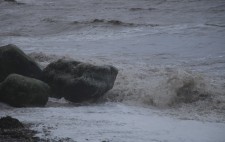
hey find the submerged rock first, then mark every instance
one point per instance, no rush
(14, 60)
(77, 81)
(20, 91)
(12, 130)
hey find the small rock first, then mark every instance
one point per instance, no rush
(12, 130)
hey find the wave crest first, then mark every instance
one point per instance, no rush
(162, 88)
(181, 87)
(157, 86)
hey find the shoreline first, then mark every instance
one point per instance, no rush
(95, 123)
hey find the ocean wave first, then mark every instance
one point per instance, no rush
(53, 26)
(162, 87)
(112, 23)
(215, 25)
(142, 9)
(11, 2)
(103, 22)
(44, 59)
(165, 87)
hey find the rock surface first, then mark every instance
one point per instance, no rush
(10, 123)
(20, 91)
(77, 81)
(14, 60)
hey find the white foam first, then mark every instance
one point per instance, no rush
(160, 87)
(115, 122)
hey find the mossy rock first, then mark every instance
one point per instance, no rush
(14, 60)
(20, 91)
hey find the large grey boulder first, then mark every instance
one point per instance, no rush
(77, 81)
(21, 91)
(14, 60)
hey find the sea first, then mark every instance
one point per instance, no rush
(171, 60)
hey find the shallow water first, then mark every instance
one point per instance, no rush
(170, 55)
(116, 122)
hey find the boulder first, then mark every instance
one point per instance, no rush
(77, 81)
(10, 123)
(13, 60)
(20, 91)
(12, 130)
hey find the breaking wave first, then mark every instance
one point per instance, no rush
(44, 59)
(157, 86)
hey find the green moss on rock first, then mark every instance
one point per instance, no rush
(14, 60)
(19, 91)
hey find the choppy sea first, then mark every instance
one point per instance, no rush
(171, 60)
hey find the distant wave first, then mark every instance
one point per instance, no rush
(215, 25)
(98, 22)
(142, 9)
(11, 2)
(112, 22)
